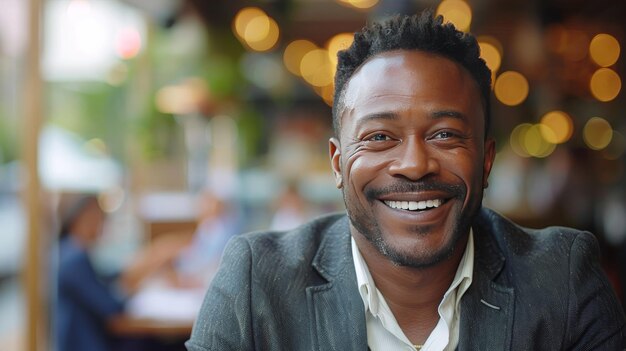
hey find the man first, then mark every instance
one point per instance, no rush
(417, 263)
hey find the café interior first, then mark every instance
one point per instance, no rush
(192, 121)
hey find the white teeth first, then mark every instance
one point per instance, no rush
(414, 205)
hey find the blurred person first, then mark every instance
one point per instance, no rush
(86, 302)
(290, 209)
(417, 263)
(217, 223)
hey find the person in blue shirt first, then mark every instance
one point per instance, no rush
(86, 301)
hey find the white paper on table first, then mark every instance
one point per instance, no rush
(166, 303)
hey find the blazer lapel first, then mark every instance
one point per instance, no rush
(336, 308)
(487, 307)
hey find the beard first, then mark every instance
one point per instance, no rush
(458, 222)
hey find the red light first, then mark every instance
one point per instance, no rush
(128, 43)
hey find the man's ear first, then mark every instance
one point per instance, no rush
(335, 161)
(490, 155)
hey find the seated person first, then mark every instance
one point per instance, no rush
(85, 301)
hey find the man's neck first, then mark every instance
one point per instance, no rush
(412, 294)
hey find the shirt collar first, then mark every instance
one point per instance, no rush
(367, 289)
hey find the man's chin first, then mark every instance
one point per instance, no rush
(420, 258)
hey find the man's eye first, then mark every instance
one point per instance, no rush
(444, 135)
(379, 137)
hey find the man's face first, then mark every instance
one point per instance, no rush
(411, 158)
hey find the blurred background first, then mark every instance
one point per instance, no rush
(175, 111)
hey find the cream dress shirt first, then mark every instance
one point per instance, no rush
(383, 331)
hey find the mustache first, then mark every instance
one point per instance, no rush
(453, 190)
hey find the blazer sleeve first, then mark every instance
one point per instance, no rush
(224, 320)
(595, 317)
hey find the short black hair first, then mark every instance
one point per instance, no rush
(422, 32)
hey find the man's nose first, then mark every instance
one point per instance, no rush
(414, 160)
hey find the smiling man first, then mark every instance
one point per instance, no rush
(417, 263)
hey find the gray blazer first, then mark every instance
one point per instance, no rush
(531, 290)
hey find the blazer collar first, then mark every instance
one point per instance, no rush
(487, 307)
(335, 307)
(334, 255)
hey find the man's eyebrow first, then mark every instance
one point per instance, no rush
(448, 114)
(377, 116)
(394, 116)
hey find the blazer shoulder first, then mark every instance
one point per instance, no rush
(517, 241)
(298, 243)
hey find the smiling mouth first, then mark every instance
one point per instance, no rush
(415, 205)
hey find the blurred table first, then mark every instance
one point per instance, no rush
(159, 310)
(168, 212)
(129, 325)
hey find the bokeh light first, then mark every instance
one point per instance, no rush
(294, 52)
(535, 143)
(316, 68)
(597, 133)
(490, 53)
(326, 93)
(360, 4)
(558, 127)
(605, 84)
(338, 42)
(511, 88)
(268, 41)
(243, 18)
(528, 140)
(516, 139)
(128, 43)
(256, 29)
(604, 49)
(183, 98)
(457, 12)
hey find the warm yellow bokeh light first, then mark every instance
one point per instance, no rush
(605, 84)
(517, 139)
(244, 17)
(294, 52)
(604, 50)
(183, 98)
(558, 127)
(316, 68)
(268, 41)
(338, 42)
(457, 12)
(326, 93)
(360, 4)
(535, 144)
(491, 55)
(597, 133)
(255, 29)
(511, 88)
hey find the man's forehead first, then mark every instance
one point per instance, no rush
(397, 73)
